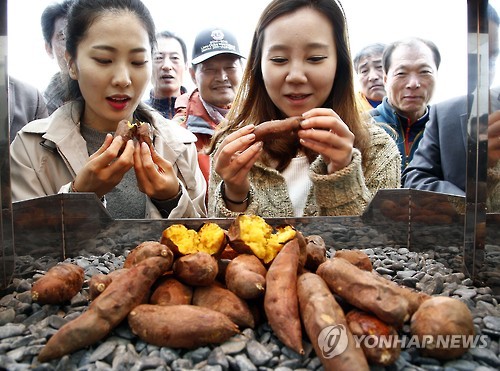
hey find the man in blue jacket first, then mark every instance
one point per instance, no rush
(410, 73)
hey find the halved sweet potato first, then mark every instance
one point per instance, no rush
(251, 234)
(210, 238)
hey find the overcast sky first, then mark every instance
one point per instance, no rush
(369, 21)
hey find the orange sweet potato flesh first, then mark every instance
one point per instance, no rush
(180, 326)
(107, 311)
(225, 301)
(319, 310)
(210, 238)
(145, 250)
(170, 291)
(198, 269)
(280, 300)
(58, 285)
(246, 276)
(365, 290)
(363, 323)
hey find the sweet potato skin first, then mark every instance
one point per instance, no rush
(107, 310)
(315, 252)
(356, 257)
(198, 269)
(170, 291)
(280, 300)
(365, 290)
(180, 326)
(319, 310)
(363, 323)
(145, 250)
(269, 130)
(99, 282)
(246, 276)
(225, 301)
(442, 315)
(58, 285)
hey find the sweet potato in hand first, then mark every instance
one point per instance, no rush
(58, 285)
(246, 276)
(225, 301)
(270, 130)
(180, 326)
(280, 300)
(104, 313)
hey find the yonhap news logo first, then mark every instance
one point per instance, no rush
(333, 341)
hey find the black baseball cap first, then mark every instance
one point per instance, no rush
(213, 41)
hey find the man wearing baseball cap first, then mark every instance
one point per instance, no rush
(216, 69)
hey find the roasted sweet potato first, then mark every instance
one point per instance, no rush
(280, 300)
(251, 234)
(246, 276)
(315, 252)
(210, 238)
(198, 269)
(356, 257)
(170, 291)
(99, 282)
(140, 131)
(104, 313)
(58, 285)
(366, 324)
(225, 301)
(323, 319)
(440, 317)
(365, 290)
(269, 130)
(180, 326)
(145, 250)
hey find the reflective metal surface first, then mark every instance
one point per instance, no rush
(6, 243)
(478, 88)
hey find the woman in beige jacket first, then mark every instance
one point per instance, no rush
(74, 150)
(299, 65)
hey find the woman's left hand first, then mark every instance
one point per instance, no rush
(325, 133)
(155, 175)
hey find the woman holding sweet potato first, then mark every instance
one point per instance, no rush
(79, 149)
(333, 162)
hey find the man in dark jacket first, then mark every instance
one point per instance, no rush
(410, 73)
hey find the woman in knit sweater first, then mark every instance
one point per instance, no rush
(299, 65)
(109, 47)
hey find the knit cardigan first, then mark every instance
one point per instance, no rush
(345, 192)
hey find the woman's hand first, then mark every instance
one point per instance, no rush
(493, 138)
(324, 132)
(155, 175)
(233, 160)
(105, 169)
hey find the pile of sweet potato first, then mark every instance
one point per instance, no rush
(198, 287)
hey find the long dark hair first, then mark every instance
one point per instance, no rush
(82, 14)
(252, 103)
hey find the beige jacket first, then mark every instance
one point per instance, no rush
(48, 153)
(346, 192)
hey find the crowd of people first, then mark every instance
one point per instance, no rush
(203, 159)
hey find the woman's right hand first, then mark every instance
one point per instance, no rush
(233, 160)
(105, 168)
